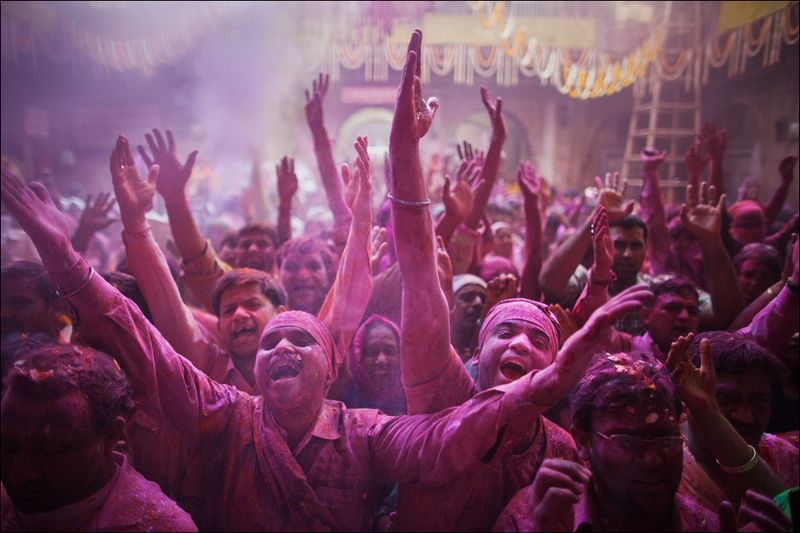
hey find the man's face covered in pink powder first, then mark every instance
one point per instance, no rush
(748, 224)
(518, 336)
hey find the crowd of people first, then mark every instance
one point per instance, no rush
(580, 363)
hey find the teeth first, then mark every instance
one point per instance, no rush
(512, 371)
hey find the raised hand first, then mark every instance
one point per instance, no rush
(319, 88)
(174, 176)
(95, 216)
(574, 357)
(556, 489)
(38, 216)
(412, 115)
(530, 182)
(756, 513)
(287, 179)
(459, 197)
(786, 168)
(695, 162)
(499, 288)
(377, 246)
(134, 195)
(697, 386)
(495, 111)
(602, 244)
(611, 195)
(652, 159)
(567, 322)
(714, 141)
(358, 185)
(702, 218)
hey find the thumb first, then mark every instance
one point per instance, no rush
(152, 174)
(629, 208)
(446, 188)
(346, 174)
(727, 517)
(189, 165)
(42, 192)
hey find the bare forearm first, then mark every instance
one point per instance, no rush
(446, 226)
(717, 175)
(284, 221)
(489, 173)
(723, 285)
(529, 284)
(188, 239)
(81, 238)
(746, 316)
(656, 220)
(563, 261)
(331, 181)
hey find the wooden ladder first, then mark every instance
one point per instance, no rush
(671, 115)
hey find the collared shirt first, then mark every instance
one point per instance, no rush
(128, 502)
(348, 456)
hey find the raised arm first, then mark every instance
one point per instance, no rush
(95, 217)
(147, 263)
(786, 172)
(287, 188)
(458, 198)
(559, 267)
(595, 292)
(530, 185)
(703, 220)
(715, 142)
(425, 322)
(349, 295)
(491, 165)
(331, 181)
(164, 383)
(200, 264)
(658, 250)
(697, 387)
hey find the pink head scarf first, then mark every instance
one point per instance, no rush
(314, 327)
(521, 309)
(356, 354)
(494, 265)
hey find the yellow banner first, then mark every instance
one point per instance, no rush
(735, 14)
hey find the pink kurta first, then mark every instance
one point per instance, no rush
(686, 515)
(128, 502)
(240, 473)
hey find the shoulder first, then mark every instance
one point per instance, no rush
(559, 441)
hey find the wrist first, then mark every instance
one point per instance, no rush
(175, 200)
(135, 225)
(601, 277)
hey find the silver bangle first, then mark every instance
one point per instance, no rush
(408, 203)
(79, 289)
(746, 467)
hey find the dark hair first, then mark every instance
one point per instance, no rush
(735, 353)
(57, 369)
(675, 285)
(257, 228)
(229, 239)
(630, 222)
(763, 254)
(621, 380)
(128, 286)
(305, 245)
(237, 277)
(15, 345)
(34, 271)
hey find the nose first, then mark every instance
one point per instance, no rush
(521, 344)
(683, 315)
(252, 248)
(627, 252)
(240, 312)
(477, 302)
(382, 358)
(743, 414)
(649, 456)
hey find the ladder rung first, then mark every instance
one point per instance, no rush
(666, 106)
(637, 159)
(665, 133)
(669, 183)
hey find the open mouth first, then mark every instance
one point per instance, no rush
(246, 330)
(512, 370)
(284, 371)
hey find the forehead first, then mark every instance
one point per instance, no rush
(470, 287)
(380, 331)
(683, 298)
(520, 326)
(238, 292)
(620, 233)
(287, 331)
(754, 380)
(647, 417)
(25, 413)
(301, 256)
(754, 264)
(254, 235)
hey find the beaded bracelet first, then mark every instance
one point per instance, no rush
(408, 203)
(746, 467)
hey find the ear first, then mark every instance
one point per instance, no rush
(59, 316)
(582, 440)
(644, 314)
(114, 433)
(281, 309)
